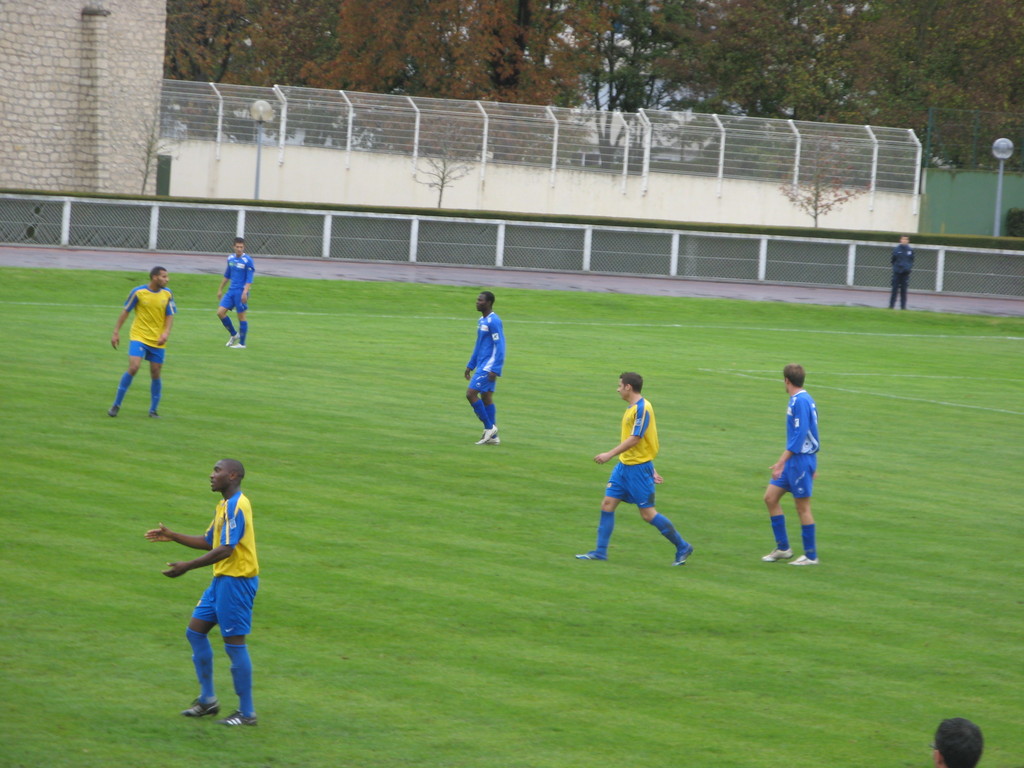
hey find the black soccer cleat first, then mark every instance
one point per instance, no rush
(199, 709)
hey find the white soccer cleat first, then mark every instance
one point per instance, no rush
(804, 560)
(233, 340)
(238, 346)
(778, 554)
(489, 437)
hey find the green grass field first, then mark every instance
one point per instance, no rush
(420, 604)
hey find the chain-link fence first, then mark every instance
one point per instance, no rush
(269, 232)
(963, 138)
(630, 144)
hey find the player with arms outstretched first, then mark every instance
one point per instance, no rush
(230, 545)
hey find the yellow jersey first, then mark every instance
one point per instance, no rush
(151, 309)
(639, 420)
(232, 526)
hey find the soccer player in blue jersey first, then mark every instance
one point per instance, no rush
(484, 367)
(230, 545)
(154, 315)
(240, 272)
(794, 471)
(634, 477)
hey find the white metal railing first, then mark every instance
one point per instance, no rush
(180, 227)
(720, 146)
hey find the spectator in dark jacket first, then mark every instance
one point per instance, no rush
(902, 263)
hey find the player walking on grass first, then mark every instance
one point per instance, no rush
(634, 477)
(484, 367)
(794, 471)
(154, 315)
(240, 272)
(230, 542)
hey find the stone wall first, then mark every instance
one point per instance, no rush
(80, 94)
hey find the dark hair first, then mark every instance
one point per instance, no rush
(240, 240)
(635, 380)
(959, 742)
(234, 466)
(794, 374)
(489, 296)
(155, 271)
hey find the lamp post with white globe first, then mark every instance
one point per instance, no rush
(1002, 149)
(261, 111)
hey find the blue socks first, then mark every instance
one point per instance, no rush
(202, 658)
(491, 412)
(604, 532)
(810, 546)
(665, 527)
(241, 673)
(155, 388)
(779, 529)
(243, 331)
(122, 387)
(481, 413)
(226, 321)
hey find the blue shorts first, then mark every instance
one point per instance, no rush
(632, 483)
(233, 300)
(228, 602)
(152, 354)
(481, 382)
(798, 475)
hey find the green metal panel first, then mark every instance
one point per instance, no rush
(963, 202)
(163, 175)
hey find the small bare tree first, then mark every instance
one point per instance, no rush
(826, 179)
(448, 157)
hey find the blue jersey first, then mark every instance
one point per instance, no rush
(489, 352)
(802, 424)
(240, 270)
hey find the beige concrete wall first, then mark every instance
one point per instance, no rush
(325, 176)
(80, 93)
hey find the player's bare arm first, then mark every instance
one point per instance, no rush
(174, 570)
(163, 533)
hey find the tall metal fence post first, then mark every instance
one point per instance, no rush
(762, 258)
(65, 223)
(154, 225)
(940, 269)
(283, 129)
(325, 249)
(240, 223)
(414, 238)
(499, 246)
(673, 264)
(415, 135)
(588, 239)
(554, 145)
(721, 152)
(851, 262)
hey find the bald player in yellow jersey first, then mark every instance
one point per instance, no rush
(634, 477)
(154, 315)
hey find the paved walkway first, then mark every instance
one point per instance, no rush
(491, 277)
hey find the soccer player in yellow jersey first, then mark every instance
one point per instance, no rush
(230, 544)
(154, 314)
(634, 477)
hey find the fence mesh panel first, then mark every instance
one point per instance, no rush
(31, 222)
(797, 261)
(558, 248)
(457, 242)
(280, 233)
(110, 225)
(988, 273)
(711, 257)
(356, 237)
(196, 230)
(636, 253)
